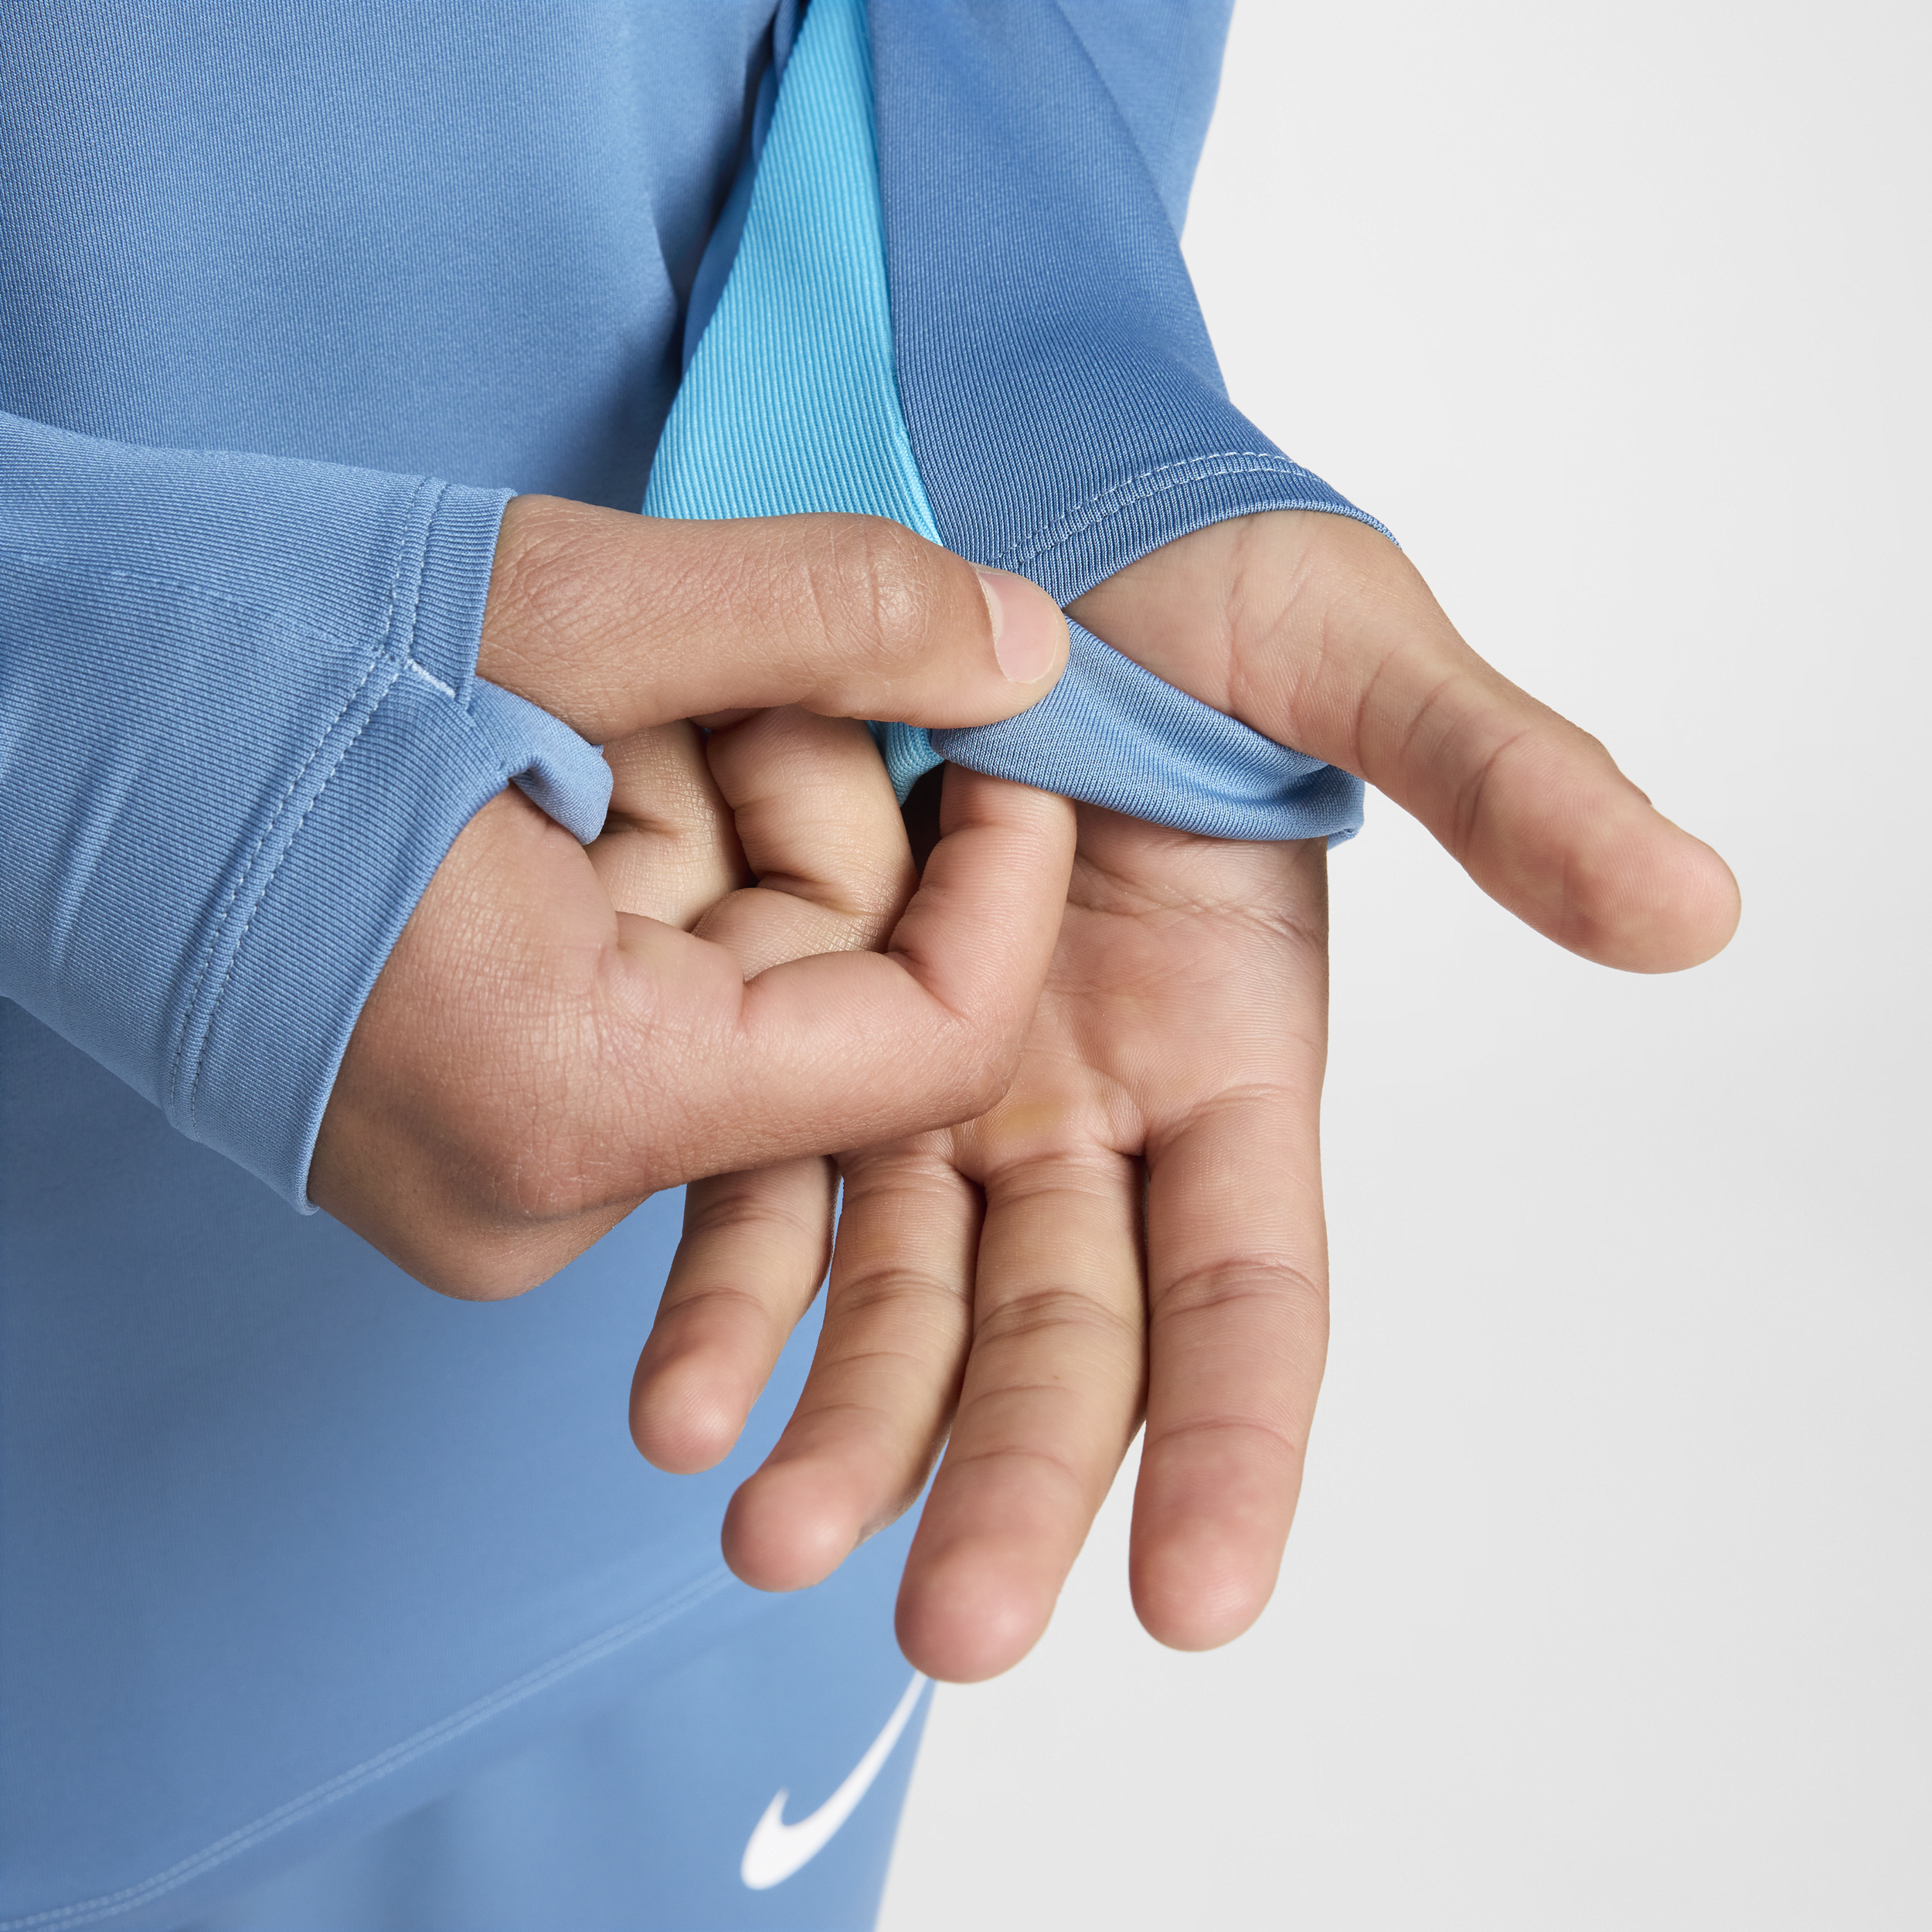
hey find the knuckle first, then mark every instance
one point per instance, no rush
(1246, 1439)
(1074, 1319)
(1048, 1467)
(750, 1203)
(1215, 1286)
(876, 588)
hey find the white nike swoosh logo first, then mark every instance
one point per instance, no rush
(775, 1849)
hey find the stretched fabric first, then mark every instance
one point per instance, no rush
(792, 398)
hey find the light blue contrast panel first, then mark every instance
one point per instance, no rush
(791, 404)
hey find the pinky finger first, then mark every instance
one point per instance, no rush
(755, 1248)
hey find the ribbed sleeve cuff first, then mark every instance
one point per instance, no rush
(1079, 548)
(1111, 733)
(405, 772)
(458, 549)
(419, 747)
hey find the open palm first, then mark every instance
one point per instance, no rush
(1137, 1224)
(1161, 1128)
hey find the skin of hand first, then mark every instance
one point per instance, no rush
(561, 1030)
(1135, 1231)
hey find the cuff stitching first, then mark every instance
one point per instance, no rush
(189, 1099)
(429, 677)
(406, 638)
(1152, 482)
(403, 546)
(183, 1097)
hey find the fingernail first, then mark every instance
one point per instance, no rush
(1028, 633)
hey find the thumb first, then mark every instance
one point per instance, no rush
(614, 622)
(1327, 638)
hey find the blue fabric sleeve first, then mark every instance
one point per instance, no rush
(1065, 407)
(240, 727)
(1161, 63)
(1063, 401)
(792, 399)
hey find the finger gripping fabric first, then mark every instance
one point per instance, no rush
(1100, 735)
(792, 403)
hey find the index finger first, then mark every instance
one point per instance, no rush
(821, 833)
(1237, 1336)
(1237, 1321)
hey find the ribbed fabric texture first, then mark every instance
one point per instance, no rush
(791, 403)
(1096, 737)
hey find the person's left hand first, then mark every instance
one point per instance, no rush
(1163, 1127)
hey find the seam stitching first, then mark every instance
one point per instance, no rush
(1146, 483)
(402, 552)
(175, 1095)
(189, 1099)
(422, 558)
(429, 677)
(184, 1099)
(591, 1650)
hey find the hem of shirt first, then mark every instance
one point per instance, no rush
(181, 1886)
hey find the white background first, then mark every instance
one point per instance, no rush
(1609, 1602)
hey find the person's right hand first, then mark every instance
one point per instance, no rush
(545, 1046)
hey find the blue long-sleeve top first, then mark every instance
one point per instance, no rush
(263, 296)
(291, 300)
